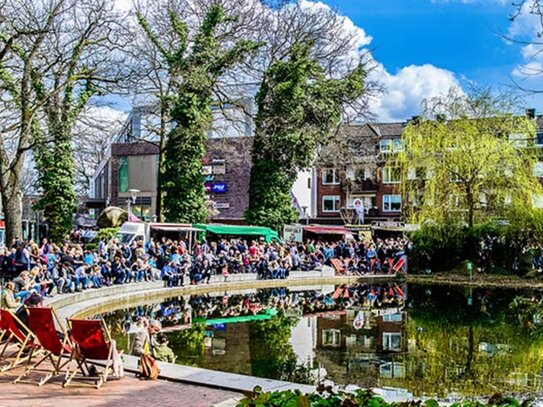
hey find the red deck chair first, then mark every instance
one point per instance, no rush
(41, 322)
(18, 339)
(338, 266)
(92, 341)
(397, 267)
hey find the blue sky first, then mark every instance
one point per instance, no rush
(460, 36)
(422, 48)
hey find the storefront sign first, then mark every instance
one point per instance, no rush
(293, 233)
(222, 205)
(219, 188)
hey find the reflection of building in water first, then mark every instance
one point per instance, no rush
(303, 340)
(362, 356)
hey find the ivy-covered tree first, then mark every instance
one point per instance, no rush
(298, 107)
(75, 63)
(195, 65)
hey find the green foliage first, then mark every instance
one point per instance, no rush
(188, 344)
(298, 106)
(326, 397)
(472, 172)
(528, 313)
(194, 73)
(54, 162)
(443, 247)
(271, 354)
(106, 233)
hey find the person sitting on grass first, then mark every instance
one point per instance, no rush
(162, 352)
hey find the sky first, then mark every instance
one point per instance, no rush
(425, 44)
(422, 48)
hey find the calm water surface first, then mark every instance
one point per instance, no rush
(413, 340)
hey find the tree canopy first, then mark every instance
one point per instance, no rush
(466, 169)
(298, 106)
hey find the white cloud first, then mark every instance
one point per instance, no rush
(405, 90)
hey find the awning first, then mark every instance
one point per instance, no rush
(173, 227)
(237, 230)
(327, 230)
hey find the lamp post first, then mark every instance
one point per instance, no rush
(131, 201)
(304, 209)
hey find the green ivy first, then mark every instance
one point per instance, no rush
(298, 106)
(326, 397)
(194, 74)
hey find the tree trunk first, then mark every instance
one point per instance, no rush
(12, 203)
(162, 147)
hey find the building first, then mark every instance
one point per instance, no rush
(133, 165)
(351, 169)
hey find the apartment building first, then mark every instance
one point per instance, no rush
(133, 165)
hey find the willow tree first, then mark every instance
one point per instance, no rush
(195, 65)
(466, 170)
(298, 107)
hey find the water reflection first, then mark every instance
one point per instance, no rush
(428, 341)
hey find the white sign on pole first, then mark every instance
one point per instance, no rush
(293, 233)
(359, 208)
(358, 322)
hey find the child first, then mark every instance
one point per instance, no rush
(162, 352)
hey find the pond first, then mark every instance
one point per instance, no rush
(412, 341)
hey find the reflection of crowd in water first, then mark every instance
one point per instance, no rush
(180, 311)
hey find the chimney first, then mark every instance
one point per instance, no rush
(530, 113)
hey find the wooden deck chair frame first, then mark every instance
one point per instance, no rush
(337, 266)
(58, 362)
(83, 371)
(21, 337)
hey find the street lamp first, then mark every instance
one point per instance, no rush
(131, 201)
(304, 209)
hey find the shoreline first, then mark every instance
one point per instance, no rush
(478, 280)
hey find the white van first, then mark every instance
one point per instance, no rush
(134, 231)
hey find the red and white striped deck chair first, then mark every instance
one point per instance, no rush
(398, 266)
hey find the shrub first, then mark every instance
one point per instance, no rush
(106, 233)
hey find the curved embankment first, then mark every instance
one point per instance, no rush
(92, 302)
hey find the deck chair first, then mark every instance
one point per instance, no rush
(18, 339)
(337, 266)
(398, 266)
(92, 341)
(41, 322)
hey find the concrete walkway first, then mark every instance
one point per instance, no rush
(127, 392)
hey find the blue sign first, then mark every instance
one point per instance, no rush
(219, 188)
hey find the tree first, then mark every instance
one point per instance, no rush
(77, 61)
(461, 169)
(298, 106)
(24, 27)
(194, 74)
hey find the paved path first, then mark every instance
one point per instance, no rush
(129, 392)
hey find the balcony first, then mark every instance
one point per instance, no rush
(359, 186)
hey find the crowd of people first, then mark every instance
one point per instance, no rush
(49, 269)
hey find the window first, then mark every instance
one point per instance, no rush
(389, 145)
(518, 139)
(392, 203)
(330, 203)
(539, 139)
(123, 174)
(136, 125)
(392, 341)
(385, 146)
(397, 317)
(331, 337)
(538, 169)
(330, 177)
(391, 175)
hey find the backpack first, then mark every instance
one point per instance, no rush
(148, 367)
